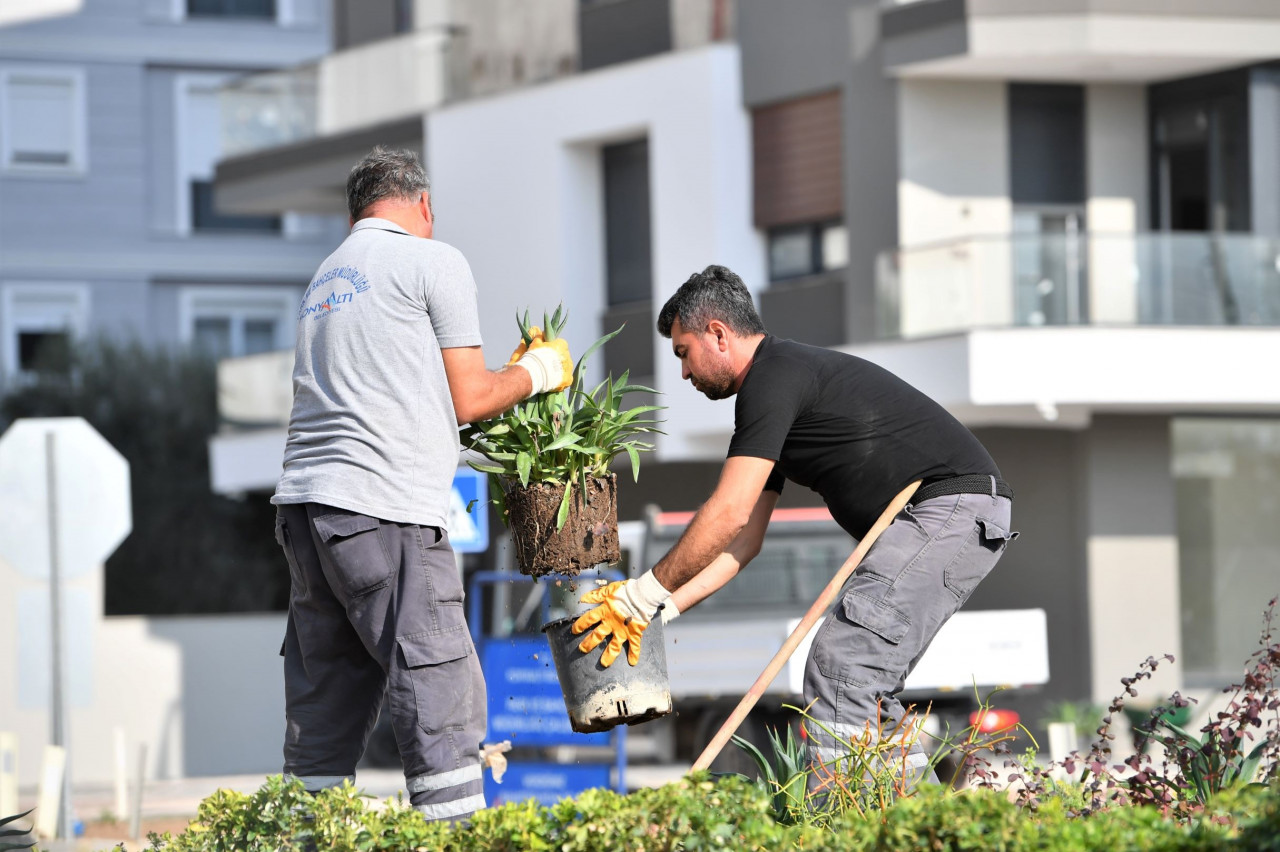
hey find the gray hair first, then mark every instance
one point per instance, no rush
(385, 173)
(715, 293)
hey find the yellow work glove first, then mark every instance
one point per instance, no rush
(548, 363)
(561, 348)
(535, 333)
(625, 610)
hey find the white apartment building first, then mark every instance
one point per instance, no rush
(1060, 218)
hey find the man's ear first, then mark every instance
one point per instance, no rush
(428, 215)
(721, 331)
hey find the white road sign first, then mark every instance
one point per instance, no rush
(92, 489)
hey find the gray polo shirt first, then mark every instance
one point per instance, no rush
(373, 428)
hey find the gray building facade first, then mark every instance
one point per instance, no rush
(110, 129)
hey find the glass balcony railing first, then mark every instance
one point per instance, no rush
(1079, 279)
(269, 109)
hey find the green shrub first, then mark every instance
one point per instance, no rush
(730, 813)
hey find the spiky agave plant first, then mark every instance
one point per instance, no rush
(15, 838)
(562, 437)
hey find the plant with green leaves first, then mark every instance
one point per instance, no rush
(784, 776)
(15, 838)
(562, 437)
(875, 770)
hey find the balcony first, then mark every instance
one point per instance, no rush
(1053, 329)
(269, 109)
(1100, 279)
(1075, 40)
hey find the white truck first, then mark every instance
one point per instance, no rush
(716, 651)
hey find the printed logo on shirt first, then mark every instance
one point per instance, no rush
(331, 290)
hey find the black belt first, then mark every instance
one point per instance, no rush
(975, 483)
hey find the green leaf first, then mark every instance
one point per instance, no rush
(524, 462)
(635, 462)
(562, 515)
(1182, 734)
(577, 370)
(565, 440)
(487, 468)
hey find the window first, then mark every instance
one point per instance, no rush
(40, 322)
(265, 9)
(230, 321)
(798, 250)
(42, 120)
(1227, 475)
(198, 135)
(628, 261)
(206, 217)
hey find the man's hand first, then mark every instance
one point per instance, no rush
(625, 610)
(535, 333)
(548, 362)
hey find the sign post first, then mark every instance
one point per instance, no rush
(469, 512)
(66, 491)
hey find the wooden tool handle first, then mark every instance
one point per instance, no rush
(806, 624)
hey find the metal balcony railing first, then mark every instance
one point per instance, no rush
(1165, 278)
(269, 109)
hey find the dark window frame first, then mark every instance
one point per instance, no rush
(205, 218)
(255, 10)
(813, 231)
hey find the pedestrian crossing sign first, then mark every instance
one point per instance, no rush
(469, 511)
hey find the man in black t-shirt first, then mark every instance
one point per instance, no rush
(857, 435)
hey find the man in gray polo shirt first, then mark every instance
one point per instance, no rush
(388, 365)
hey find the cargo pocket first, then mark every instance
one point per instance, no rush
(863, 647)
(356, 551)
(438, 667)
(975, 561)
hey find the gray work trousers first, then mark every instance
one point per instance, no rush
(918, 573)
(376, 607)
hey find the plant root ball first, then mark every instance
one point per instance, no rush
(588, 538)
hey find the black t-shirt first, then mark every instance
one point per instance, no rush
(849, 429)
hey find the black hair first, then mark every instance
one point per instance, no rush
(715, 293)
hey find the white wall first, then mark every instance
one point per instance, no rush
(953, 183)
(205, 694)
(382, 81)
(1116, 157)
(516, 187)
(954, 160)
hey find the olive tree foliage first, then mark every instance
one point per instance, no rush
(191, 551)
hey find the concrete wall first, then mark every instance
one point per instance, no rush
(954, 155)
(871, 166)
(1116, 154)
(788, 55)
(953, 183)
(205, 694)
(517, 188)
(1264, 143)
(1044, 568)
(1131, 552)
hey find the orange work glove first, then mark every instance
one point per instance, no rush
(625, 610)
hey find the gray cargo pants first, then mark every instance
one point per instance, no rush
(375, 607)
(915, 577)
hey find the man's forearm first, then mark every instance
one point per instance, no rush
(491, 395)
(711, 529)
